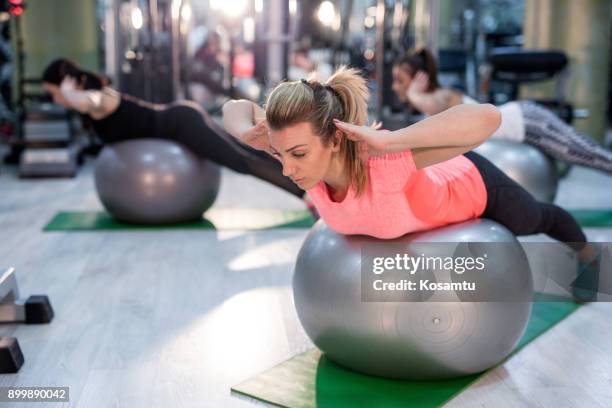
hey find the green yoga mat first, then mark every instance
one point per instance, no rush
(593, 218)
(220, 219)
(311, 380)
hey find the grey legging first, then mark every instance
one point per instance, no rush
(556, 138)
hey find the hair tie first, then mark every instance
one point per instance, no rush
(332, 90)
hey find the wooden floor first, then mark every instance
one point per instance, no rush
(175, 318)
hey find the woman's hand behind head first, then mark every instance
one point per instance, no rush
(68, 84)
(371, 141)
(257, 136)
(419, 84)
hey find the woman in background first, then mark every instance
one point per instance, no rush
(415, 82)
(116, 117)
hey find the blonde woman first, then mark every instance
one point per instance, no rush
(387, 184)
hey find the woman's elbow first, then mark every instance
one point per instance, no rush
(491, 117)
(228, 114)
(227, 106)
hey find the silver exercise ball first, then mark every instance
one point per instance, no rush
(526, 165)
(406, 339)
(155, 181)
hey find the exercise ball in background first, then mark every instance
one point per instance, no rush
(526, 165)
(411, 340)
(155, 181)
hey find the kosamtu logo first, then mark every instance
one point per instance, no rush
(414, 264)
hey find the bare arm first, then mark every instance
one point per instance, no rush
(462, 125)
(97, 103)
(430, 102)
(434, 102)
(240, 116)
(448, 134)
(246, 121)
(435, 139)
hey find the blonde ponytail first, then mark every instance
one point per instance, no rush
(353, 92)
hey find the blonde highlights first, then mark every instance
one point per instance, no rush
(344, 96)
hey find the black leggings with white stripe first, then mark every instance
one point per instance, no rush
(556, 138)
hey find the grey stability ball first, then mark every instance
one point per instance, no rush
(155, 181)
(525, 164)
(410, 339)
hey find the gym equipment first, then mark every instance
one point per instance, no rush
(526, 165)
(155, 181)
(148, 59)
(45, 142)
(33, 310)
(406, 339)
(511, 67)
(48, 138)
(453, 68)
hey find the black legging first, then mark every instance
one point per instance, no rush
(512, 206)
(188, 124)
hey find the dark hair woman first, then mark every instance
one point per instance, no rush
(415, 82)
(116, 117)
